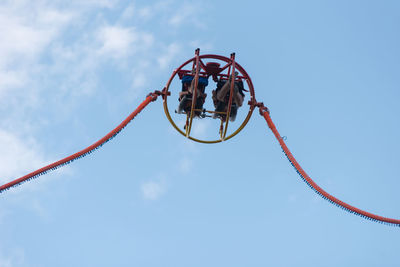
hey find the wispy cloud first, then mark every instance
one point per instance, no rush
(187, 14)
(169, 53)
(117, 41)
(102, 3)
(17, 156)
(139, 80)
(185, 165)
(38, 208)
(201, 128)
(26, 31)
(145, 12)
(14, 257)
(128, 12)
(52, 50)
(29, 32)
(6, 262)
(153, 190)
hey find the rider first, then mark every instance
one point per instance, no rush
(221, 98)
(185, 96)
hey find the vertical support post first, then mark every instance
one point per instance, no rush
(194, 95)
(232, 78)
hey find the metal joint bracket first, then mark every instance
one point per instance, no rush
(157, 93)
(253, 103)
(263, 109)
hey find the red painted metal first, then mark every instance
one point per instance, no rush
(151, 97)
(265, 113)
(202, 65)
(226, 66)
(180, 71)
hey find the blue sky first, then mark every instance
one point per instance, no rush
(70, 72)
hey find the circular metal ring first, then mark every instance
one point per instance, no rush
(242, 73)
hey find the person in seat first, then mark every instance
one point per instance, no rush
(186, 95)
(221, 98)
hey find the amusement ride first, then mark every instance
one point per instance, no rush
(233, 83)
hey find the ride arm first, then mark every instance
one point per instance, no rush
(55, 165)
(265, 113)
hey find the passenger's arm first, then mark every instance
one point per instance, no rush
(181, 94)
(238, 99)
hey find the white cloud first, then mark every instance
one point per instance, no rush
(97, 3)
(25, 32)
(10, 79)
(147, 39)
(203, 44)
(118, 41)
(77, 65)
(40, 210)
(20, 156)
(14, 257)
(145, 12)
(17, 156)
(6, 262)
(54, 52)
(171, 51)
(139, 80)
(54, 19)
(128, 12)
(3, 214)
(153, 190)
(187, 14)
(185, 165)
(200, 128)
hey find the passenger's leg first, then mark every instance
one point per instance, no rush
(199, 106)
(237, 97)
(220, 107)
(232, 116)
(182, 104)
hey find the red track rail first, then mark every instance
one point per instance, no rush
(265, 113)
(151, 97)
